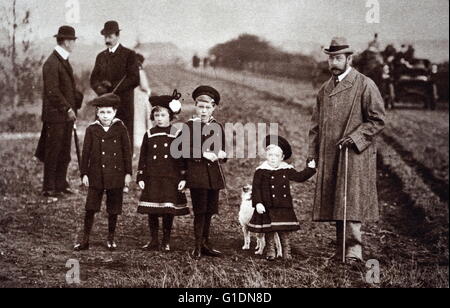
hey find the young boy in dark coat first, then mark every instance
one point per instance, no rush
(105, 166)
(160, 175)
(271, 195)
(203, 166)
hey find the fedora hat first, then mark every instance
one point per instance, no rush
(110, 27)
(66, 32)
(339, 45)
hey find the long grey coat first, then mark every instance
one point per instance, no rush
(331, 116)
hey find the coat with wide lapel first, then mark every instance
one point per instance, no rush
(331, 116)
(112, 68)
(59, 93)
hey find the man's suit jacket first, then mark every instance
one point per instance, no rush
(112, 68)
(59, 93)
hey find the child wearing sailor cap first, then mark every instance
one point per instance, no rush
(204, 174)
(160, 175)
(271, 195)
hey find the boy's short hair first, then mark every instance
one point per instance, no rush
(158, 109)
(205, 99)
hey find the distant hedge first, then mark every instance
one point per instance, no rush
(251, 53)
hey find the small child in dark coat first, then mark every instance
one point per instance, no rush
(105, 166)
(160, 175)
(271, 195)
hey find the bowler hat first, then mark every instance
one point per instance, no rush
(207, 90)
(339, 45)
(106, 100)
(66, 32)
(280, 142)
(110, 27)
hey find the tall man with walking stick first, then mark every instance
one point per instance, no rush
(348, 115)
(117, 68)
(60, 102)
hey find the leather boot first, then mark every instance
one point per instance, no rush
(270, 246)
(197, 252)
(153, 226)
(285, 245)
(207, 250)
(166, 240)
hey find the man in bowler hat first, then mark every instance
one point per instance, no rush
(113, 65)
(60, 103)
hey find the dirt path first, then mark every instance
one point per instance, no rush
(36, 236)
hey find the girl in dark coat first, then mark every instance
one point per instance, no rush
(160, 175)
(271, 195)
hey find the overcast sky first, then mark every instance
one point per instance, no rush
(200, 24)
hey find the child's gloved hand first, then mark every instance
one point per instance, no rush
(222, 155)
(260, 208)
(312, 164)
(181, 185)
(211, 156)
(86, 181)
(127, 180)
(141, 184)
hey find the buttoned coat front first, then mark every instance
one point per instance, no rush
(203, 137)
(271, 187)
(106, 157)
(353, 108)
(155, 160)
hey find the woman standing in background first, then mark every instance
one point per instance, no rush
(141, 107)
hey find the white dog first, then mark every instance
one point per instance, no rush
(245, 215)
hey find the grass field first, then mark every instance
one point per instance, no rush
(36, 237)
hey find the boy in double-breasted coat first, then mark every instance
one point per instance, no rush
(105, 166)
(204, 175)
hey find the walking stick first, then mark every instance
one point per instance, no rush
(345, 203)
(224, 183)
(77, 146)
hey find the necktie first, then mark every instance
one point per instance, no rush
(336, 81)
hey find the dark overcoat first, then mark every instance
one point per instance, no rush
(331, 116)
(155, 160)
(59, 93)
(200, 172)
(58, 96)
(113, 67)
(106, 157)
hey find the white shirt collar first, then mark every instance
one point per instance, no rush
(62, 52)
(344, 74)
(266, 166)
(113, 49)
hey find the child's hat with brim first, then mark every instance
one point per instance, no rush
(170, 102)
(280, 142)
(106, 100)
(207, 90)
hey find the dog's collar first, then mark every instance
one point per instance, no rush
(265, 166)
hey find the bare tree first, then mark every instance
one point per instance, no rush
(18, 66)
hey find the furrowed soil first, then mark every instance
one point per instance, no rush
(37, 236)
